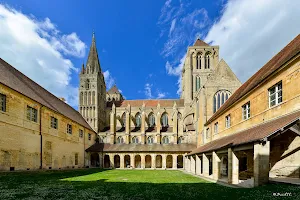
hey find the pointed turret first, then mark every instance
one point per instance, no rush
(93, 62)
(82, 69)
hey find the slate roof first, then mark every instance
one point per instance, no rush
(103, 147)
(251, 135)
(286, 54)
(17, 81)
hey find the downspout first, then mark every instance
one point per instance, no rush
(41, 142)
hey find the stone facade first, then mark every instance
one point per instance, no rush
(30, 145)
(260, 124)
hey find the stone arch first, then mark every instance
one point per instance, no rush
(106, 161)
(117, 161)
(179, 161)
(158, 161)
(95, 161)
(137, 161)
(148, 161)
(127, 161)
(169, 161)
(135, 140)
(224, 166)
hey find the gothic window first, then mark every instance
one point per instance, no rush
(124, 120)
(87, 84)
(93, 98)
(138, 120)
(198, 84)
(165, 140)
(207, 60)
(179, 116)
(150, 140)
(113, 99)
(135, 140)
(180, 140)
(220, 98)
(198, 61)
(85, 98)
(89, 98)
(120, 140)
(87, 112)
(151, 119)
(164, 120)
(81, 98)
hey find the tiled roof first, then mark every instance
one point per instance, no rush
(200, 43)
(254, 134)
(286, 54)
(152, 103)
(103, 147)
(17, 81)
(113, 90)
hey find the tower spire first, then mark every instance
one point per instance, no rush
(93, 61)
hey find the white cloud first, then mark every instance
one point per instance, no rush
(149, 94)
(109, 80)
(161, 95)
(148, 91)
(38, 49)
(251, 32)
(172, 26)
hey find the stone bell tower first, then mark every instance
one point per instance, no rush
(200, 61)
(92, 90)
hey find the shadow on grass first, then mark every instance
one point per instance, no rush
(53, 185)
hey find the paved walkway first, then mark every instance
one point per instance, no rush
(294, 181)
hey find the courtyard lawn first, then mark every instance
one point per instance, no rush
(126, 184)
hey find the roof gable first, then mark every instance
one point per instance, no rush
(17, 81)
(200, 43)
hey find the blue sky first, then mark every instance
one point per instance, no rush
(140, 43)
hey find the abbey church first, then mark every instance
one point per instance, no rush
(221, 129)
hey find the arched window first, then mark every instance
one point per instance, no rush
(108, 99)
(120, 140)
(113, 99)
(85, 98)
(198, 84)
(87, 84)
(180, 140)
(179, 116)
(165, 140)
(93, 98)
(207, 60)
(135, 140)
(150, 140)
(198, 61)
(219, 99)
(81, 98)
(138, 119)
(164, 120)
(124, 120)
(151, 119)
(89, 98)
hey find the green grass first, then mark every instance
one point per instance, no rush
(126, 184)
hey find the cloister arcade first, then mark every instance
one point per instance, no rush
(136, 161)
